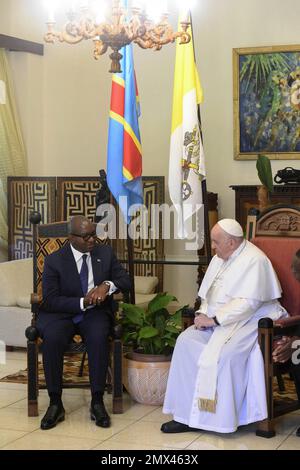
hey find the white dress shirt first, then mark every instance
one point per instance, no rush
(78, 259)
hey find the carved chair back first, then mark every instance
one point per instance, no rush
(276, 232)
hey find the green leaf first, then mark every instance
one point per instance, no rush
(257, 67)
(160, 322)
(133, 314)
(160, 301)
(264, 171)
(170, 342)
(154, 330)
(171, 329)
(176, 318)
(158, 345)
(148, 332)
(130, 338)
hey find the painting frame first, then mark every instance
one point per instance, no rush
(281, 100)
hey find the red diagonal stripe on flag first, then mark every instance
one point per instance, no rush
(132, 160)
(117, 102)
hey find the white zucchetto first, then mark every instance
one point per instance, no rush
(232, 227)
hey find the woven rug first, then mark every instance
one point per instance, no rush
(72, 366)
(289, 395)
(71, 369)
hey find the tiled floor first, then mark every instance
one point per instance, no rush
(137, 428)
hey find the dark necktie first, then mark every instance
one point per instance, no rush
(84, 275)
(84, 279)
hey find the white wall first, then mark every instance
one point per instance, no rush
(63, 97)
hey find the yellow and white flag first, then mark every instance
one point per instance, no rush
(187, 165)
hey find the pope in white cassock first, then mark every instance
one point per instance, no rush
(216, 380)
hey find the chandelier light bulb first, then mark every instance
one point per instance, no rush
(186, 4)
(51, 8)
(140, 4)
(100, 11)
(156, 9)
(185, 8)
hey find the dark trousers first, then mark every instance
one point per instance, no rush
(95, 329)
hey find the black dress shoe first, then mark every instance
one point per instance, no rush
(174, 426)
(298, 432)
(100, 415)
(55, 414)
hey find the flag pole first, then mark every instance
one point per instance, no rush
(207, 242)
(104, 196)
(130, 252)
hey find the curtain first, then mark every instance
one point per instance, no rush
(12, 149)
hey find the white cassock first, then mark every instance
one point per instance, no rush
(216, 380)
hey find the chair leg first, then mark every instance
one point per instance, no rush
(295, 373)
(280, 382)
(32, 378)
(266, 428)
(117, 377)
(80, 373)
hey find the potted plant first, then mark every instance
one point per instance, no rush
(149, 335)
(264, 172)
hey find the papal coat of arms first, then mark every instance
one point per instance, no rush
(191, 160)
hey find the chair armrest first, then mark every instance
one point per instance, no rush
(35, 299)
(286, 322)
(188, 315)
(188, 312)
(32, 333)
(117, 332)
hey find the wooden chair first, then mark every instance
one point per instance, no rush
(276, 232)
(47, 239)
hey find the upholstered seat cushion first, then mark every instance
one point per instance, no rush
(16, 283)
(142, 300)
(13, 323)
(280, 251)
(145, 284)
(23, 301)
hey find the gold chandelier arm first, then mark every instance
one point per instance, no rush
(74, 33)
(143, 43)
(157, 38)
(184, 37)
(87, 29)
(99, 48)
(70, 39)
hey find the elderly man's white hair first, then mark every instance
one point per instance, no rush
(231, 227)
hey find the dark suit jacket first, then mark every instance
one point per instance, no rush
(61, 282)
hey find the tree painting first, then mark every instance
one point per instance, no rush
(269, 102)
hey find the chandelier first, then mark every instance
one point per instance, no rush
(87, 20)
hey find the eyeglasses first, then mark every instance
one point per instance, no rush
(85, 237)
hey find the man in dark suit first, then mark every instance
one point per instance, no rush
(286, 346)
(78, 281)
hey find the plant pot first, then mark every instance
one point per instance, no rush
(141, 357)
(145, 377)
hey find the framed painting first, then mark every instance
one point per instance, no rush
(266, 99)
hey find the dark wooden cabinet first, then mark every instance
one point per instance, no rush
(246, 198)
